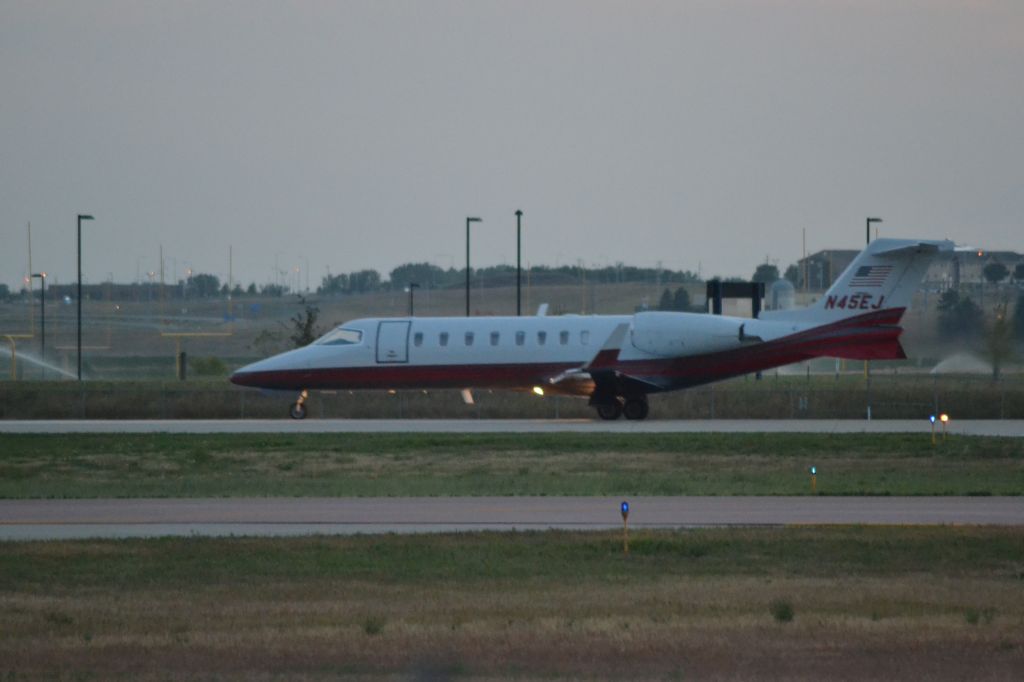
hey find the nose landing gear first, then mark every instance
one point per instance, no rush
(298, 410)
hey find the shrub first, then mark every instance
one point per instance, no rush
(973, 616)
(782, 611)
(373, 625)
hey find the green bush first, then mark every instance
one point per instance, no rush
(373, 625)
(782, 611)
(973, 616)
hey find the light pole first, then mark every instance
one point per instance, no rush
(413, 286)
(867, 371)
(868, 228)
(468, 221)
(42, 315)
(80, 219)
(519, 263)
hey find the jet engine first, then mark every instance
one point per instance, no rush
(667, 334)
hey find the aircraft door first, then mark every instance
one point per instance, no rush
(393, 341)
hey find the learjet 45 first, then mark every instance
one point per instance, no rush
(614, 360)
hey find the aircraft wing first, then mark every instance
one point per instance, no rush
(600, 370)
(609, 353)
(623, 384)
(605, 358)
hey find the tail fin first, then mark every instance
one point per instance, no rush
(884, 276)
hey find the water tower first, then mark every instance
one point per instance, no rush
(781, 295)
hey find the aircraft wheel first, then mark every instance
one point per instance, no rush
(298, 411)
(635, 409)
(609, 411)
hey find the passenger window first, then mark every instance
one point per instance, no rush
(541, 338)
(584, 337)
(520, 338)
(563, 338)
(469, 338)
(443, 339)
(417, 339)
(495, 337)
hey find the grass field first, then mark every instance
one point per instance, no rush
(837, 603)
(165, 465)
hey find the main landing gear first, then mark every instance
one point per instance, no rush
(298, 410)
(610, 409)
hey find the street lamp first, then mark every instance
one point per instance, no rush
(42, 315)
(413, 286)
(80, 219)
(519, 263)
(868, 228)
(468, 221)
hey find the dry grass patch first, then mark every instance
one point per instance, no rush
(867, 604)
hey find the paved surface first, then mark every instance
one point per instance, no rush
(980, 427)
(51, 519)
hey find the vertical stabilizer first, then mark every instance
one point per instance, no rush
(884, 276)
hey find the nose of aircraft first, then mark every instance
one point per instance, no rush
(243, 376)
(278, 371)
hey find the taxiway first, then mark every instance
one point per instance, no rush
(979, 427)
(67, 519)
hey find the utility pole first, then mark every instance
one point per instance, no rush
(413, 286)
(468, 221)
(519, 263)
(79, 297)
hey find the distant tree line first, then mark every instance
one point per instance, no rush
(426, 275)
(430, 276)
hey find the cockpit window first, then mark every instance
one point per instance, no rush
(340, 337)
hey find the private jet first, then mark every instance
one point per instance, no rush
(615, 361)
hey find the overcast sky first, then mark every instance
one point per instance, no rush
(361, 134)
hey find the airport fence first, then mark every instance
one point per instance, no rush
(887, 396)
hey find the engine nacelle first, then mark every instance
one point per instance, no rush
(666, 334)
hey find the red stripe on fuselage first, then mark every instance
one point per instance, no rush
(517, 375)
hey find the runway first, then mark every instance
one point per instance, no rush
(120, 518)
(978, 427)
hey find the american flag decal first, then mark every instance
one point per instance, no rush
(870, 276)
